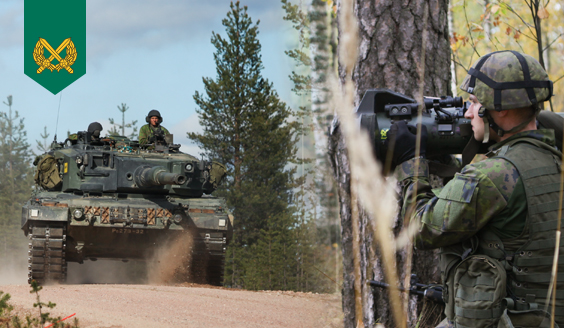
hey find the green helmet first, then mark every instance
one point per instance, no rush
(507, 80)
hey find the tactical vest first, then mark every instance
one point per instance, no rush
(527, 259)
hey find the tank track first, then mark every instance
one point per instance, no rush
(215, 270)
(46, 255)
(205, 268)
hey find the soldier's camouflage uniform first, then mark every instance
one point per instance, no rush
(485, 196)
(147, 131)
(489, 193)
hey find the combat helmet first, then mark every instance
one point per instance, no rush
(94, 129)
(152, 113)
(507, 80)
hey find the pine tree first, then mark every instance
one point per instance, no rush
(119, 129)
(247, 127)
(16, 177)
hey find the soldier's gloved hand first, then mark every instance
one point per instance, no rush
(403, 138)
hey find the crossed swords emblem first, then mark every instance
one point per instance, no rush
(44, 63)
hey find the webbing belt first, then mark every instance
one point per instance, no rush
(539, 293)
(545, 189)
(522, 261)
(544, 244)
(536, 277)
(539, 171)
(543, 208)
(544, 226)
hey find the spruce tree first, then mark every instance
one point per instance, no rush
(247, 127)
(16, 177)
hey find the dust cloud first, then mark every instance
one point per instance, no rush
(13, 267)
(107, 272)
(171, 262)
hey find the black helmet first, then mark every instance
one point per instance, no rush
(152, 113)
(94, 129)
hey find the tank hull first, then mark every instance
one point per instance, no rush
(65, 227)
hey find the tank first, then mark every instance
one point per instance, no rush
(112, 198)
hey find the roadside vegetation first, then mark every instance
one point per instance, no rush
(43, 319)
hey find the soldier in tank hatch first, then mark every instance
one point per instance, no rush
(94, 130)
(495, 221)
(152, 132)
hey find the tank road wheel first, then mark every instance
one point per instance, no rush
(46, 254)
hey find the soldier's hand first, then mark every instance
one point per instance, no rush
(402, 137)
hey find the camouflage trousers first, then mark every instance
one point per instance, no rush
(445, 324)
(530, 319)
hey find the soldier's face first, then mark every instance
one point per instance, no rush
(477, 121)
(154, 120)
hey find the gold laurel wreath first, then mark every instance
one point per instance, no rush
(69, 59)
(40, 58)
(66, 63)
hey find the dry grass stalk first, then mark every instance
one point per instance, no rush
(553, 284)
(375, 194)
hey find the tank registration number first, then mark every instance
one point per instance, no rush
(121, 230)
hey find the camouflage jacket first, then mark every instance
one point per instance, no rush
(488, 194)
(147, 131)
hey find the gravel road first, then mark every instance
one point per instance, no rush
(100, 305)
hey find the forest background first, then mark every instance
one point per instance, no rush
(312, 261)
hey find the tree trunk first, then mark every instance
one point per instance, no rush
(391, 39)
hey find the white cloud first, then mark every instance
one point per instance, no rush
(113, 26)
(190, 124)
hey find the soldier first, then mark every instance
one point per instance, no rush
(496, 220)
(153, 131)
(94, 129)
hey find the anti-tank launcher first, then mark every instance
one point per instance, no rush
(111, 198)
(449, 132)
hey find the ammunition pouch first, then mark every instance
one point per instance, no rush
(474, 286)
(477, 290)
(47, 172)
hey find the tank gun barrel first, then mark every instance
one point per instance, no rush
(156, 176)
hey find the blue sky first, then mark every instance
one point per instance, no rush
(148, 54)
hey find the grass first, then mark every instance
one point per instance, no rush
(42, 319)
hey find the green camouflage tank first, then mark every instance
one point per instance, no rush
(114, 199)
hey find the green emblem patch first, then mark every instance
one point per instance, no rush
(55, 42)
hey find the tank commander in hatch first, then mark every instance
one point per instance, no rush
(94, 129)
(496, 221)
(153, 132)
